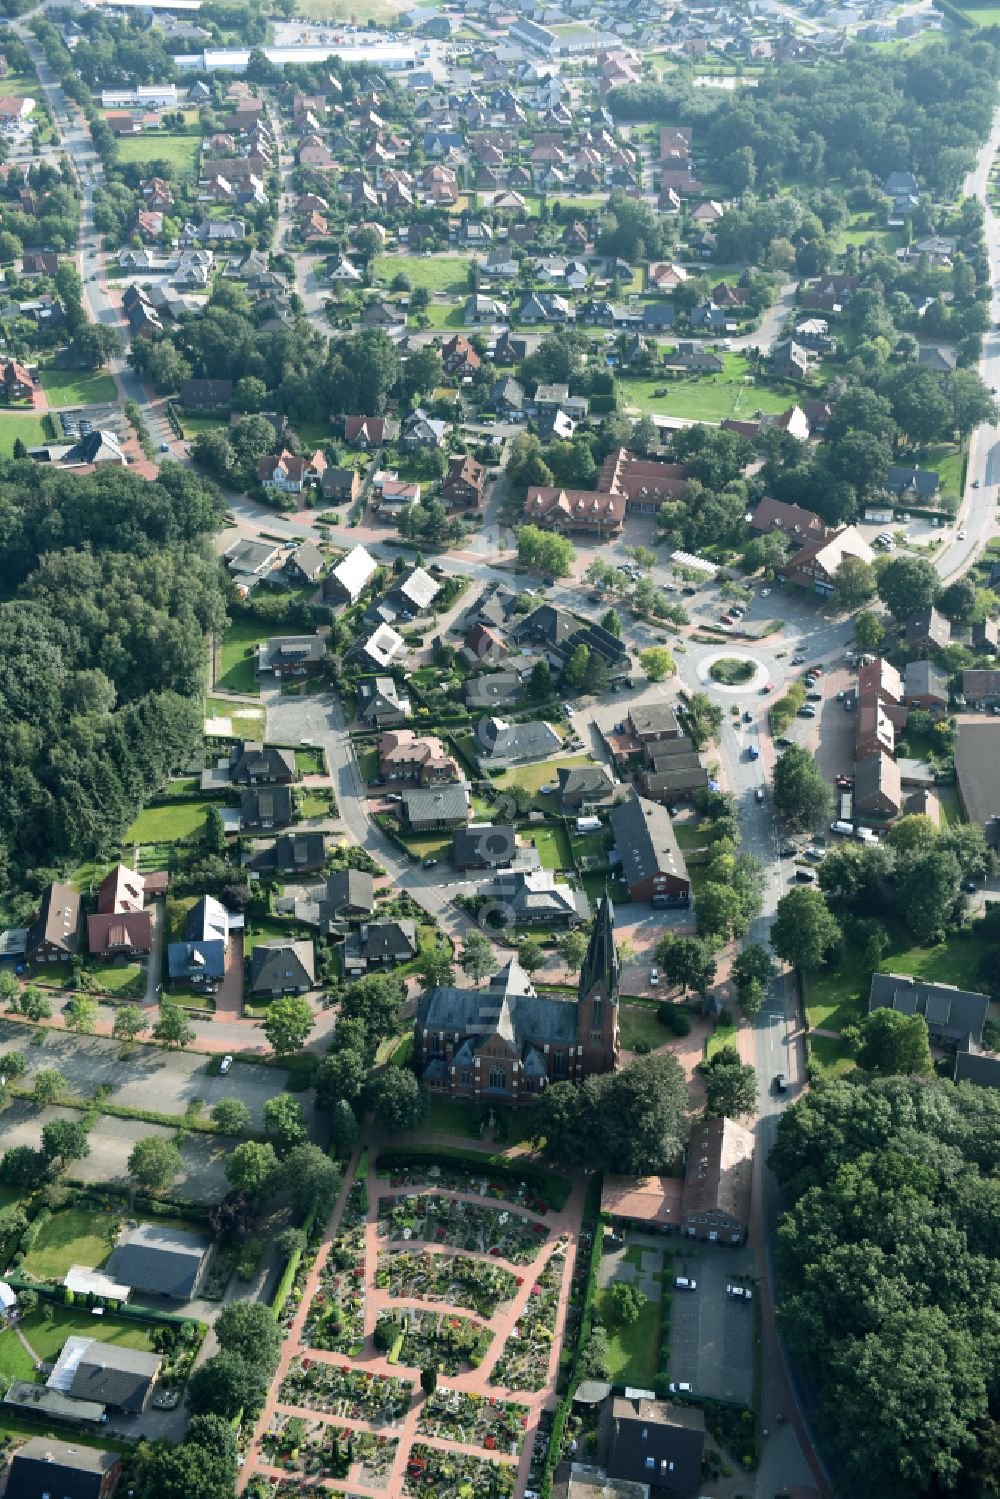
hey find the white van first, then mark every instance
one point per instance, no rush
(846, 828)
(866, 835)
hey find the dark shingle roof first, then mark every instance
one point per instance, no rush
(160, 1261)
(44, 1465)
(115, 1376)
(645, 838)
(953, 1014)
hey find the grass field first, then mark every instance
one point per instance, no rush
(983, 15)
(342, 10)
(169, 823)
(128, 980)
(639, 1023)
(78, 388)
(47, 1338)
(633, 1352)
(192, 425)
(316, 802)
(444, 273)
(73, 1236)
(706, 398)
(236, 658)
(832, 1055)
(441, 315)
(947, 459)
(553, 846)
(182, 151)
(29, 428)
(447, 1118)
(835, 996)
(245, 721)
(542, 774)
(723, 1035)
(267, 929)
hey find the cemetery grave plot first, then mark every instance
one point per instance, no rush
(523, 1363)
(452, 1278)
(354, 1394)
(456, 1475)
(474, 1420)
(435, 1218)
(318, 1450)
(445, 1340)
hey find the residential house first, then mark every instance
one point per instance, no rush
(717, 1182)
(292, 853)
(341, 486)
(459, 358)
(464, 483)
(545, 307)
(494, 689)
(913, 485)
(800, 526)
(878, 793)
(790, 360)
(347, 896)
(54, 930)
(652, 722)
(941, 360)
(484, 645)
(986, 637)
(292, 655)
(667, 276)
(205, 395)
(380, 945)
(249, 561)
(506, 1043)
(926, 687)
(278, 968)
(254, 764)
(484, 845)
(121, 927)
(974, 1067)
(305, 563)
(288, 473)
(815, 566)
(927, 630)
(380, 704)
(422, 431)
(425, 809)
(500, 744)
(584, 787)
(955, 1017)
(17, 382)
(157, 1260)
(536, 895)
(47, 1468)
(39, 263)
(708, 318)
(368, 432)
(379, 650)
(507, 398)
(344, 270)
(655, 1444)
(347, 581)
(976, 776)
(120, 1378)
(575, 510)
(265, 807)
(981, 686)
(200, 959)
(652, 862)
(694, 359)
(658, 317)
(875, 732)
(481, 311)
(406, 756)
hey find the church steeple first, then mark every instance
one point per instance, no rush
(600, 967)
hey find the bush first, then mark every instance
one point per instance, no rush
(675, 1018)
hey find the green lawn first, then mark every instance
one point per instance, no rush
(78, 388)
(310, 762)
(444, 315)
(832, 1055)
(236, 655)
(705, 398)
(836, 995)
(887, 240)
(271, 929)
(29, 428)
(47, 1337)
(316, 802)
(552, 844)
(128, 980)
(72, 1236)
(367, 764)
(169, 823)
(245, 721)
(947, 459)
(447, 1118)
(633, 1352)
(436, 273)
(639, 1023)
(983, 15)
(690, 835)
(192, 425)
(429, 845)
(541, 774)
(723, 1035)
(182, 151)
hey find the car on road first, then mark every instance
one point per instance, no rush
(766, 688)
(975, 483)
(787, 851)
(747, 716)
(962, 534)
(806, 712)
(970, 887)
(164, 447)
(765, 593)
(779, 1082)
(654, 977)
(548, 582)
(225, 1064)
(805, 876)
(546, 790)
(739, 1293)
(798, 660)
(679, 1387)
(685, 1283)
(753, 753)
(758, 795)
(393, 796)
(727, 619)
(430, 863)
(841, 695)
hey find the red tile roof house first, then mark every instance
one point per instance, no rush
(286, 473)
(17, 383)
(122, 927)
(800, 526)
(405, 756)
(464, 483)
(875, 732)
(365, 431)
(583, 510)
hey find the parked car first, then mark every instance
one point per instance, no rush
(679, 1387)
(759, 794)
(685, 1283)
(654, 977)
(430, 863)
(814, 697)
(962, 534)
(784, 742)
(225, 1064)
(753, 753)
(747, 716)
(787, 851)
(779, 1082)
(807, 712)
(739, 1293)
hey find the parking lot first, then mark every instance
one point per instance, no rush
(82, 420)
(146, 1077)
(711, 1334)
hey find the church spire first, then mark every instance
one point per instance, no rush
(600, 967)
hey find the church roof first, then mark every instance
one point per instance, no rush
(600, 966)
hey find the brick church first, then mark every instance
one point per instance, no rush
(505, 1043)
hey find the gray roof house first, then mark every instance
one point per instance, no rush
(160, 1261)
(122, 1378)
(484, 845)
(536, 895)
(954, 1017)
(292, 853)
(379, 703)
(501, 743)
(380, 944)
(200, 959)
(494, 689)
(263, 807)
(584, 786)
(912, 483)
(442, 806)
(349, 894)
(44, 1465)
(657, 1444)
(281, 968)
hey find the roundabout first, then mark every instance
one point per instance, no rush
(732, 671)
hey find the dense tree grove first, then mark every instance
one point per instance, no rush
(110, 589)
(888, 1259)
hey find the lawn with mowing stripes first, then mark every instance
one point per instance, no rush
(170, 823)
(182, 151)
(78, 388)
(29, 428)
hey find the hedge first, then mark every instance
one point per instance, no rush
(554, 1454)
(556, 1188)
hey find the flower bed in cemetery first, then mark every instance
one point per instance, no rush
(475, 1420)
(523, 1363)
(454, 1278)
(456, 1475)
(318, 1450)
(444, 1339)
(538, 1194)
(435, 1218)
(340, 1390)
(336, 1320)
